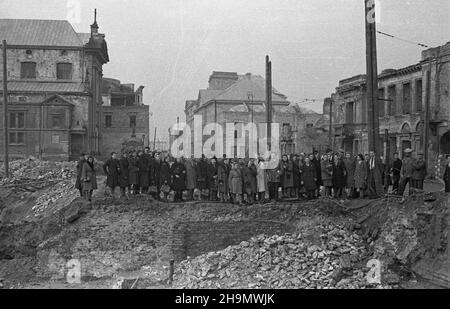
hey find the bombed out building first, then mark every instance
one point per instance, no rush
(54, 88)
(402, 102)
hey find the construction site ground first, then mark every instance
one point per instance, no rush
(129, 244)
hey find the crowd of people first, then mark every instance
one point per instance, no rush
(246, 181)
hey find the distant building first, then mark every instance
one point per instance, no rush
(125, 117)
(240, 99)
(402, 94)
(54, 88)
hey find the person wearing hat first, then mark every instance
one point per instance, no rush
(406, 172)
(419, 172)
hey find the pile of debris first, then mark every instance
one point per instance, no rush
(337, 260)
(50, 182)
(35, 170)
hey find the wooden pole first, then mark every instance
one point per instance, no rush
(269, 101)
(372, 78)
(154, 140)
(5, 111)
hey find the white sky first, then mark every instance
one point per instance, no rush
(172, 46)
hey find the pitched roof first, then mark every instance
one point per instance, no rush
(39, 33)
(240, 89)
(20, 86)
(84, 37)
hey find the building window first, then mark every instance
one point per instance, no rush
(419, 95)
(16, 138)
(381, 102)
(58, 121)
(28, 70)
(108, 121)
(64, 71)
(392, 93)
(17, 120)
(133, 121)
(407, 98)
(349, 119)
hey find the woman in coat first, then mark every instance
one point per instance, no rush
(133, 178)
(296, 175)
(235, 183)
(250, 173)
(201, 172)
(350, 178)
(360, 175)
(164, 177)
(212, 179)
(78, 182)
(339, 176)
(144, 167)
(111, 169)
(287, 176)
(326, 167)
(223, 171)
(123, 174)
(178, 177)
(191, 178)
(261, 180)
(89, 178)
(309, 178)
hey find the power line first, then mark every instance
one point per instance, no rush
(404, 40)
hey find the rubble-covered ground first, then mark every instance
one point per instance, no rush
(130, 243)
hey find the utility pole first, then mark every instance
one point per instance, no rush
(5, 111)
(372, 77)
(269, 101)
(154, 140)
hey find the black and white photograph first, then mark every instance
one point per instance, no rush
(224, 152)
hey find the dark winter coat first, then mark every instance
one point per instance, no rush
(212, 176)
(164, 173)
(144, 167)
(350, 168)
(178, 177)
(250, 179)
(223, 171)
(296, 174)
(339, 174)
(155, 170)
(309, 177)
(327, 173)
(88, 177)
(201, 172)
(287, 177)
(78, 182)
(111, 169)
(133, 168)
(124, 173)
(317, 165)
(191, 177)
(360, 175)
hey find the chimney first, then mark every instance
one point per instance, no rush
(94, 26)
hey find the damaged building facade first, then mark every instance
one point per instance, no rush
(125, 120)
(402, 104)
(240, 100)
(54, 88)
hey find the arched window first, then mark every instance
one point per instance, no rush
(406, 129)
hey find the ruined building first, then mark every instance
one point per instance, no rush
(402, 94)
(54, 88)
(239, 100)
(125, 122)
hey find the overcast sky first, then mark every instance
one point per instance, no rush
(172, 46)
